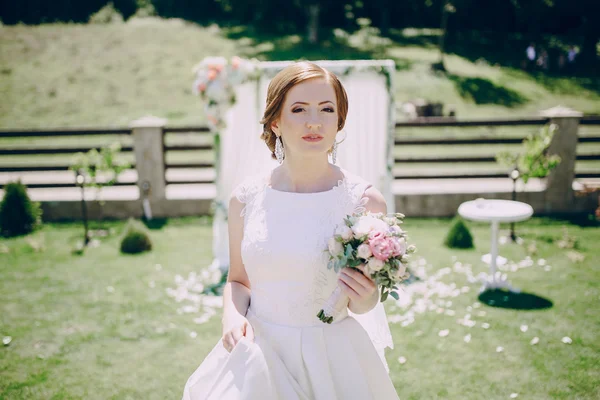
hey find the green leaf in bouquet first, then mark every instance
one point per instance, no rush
(384, 296)
(331, 264)
(349, 252)
(394, 295)
(339, 264)
(354, 262)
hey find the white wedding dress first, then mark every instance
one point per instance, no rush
(294, 355)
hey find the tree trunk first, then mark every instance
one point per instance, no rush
(385, 18)
(313, 23)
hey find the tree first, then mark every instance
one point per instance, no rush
(446, 11)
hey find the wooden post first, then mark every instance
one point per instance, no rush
(560, 196)
(148, 146)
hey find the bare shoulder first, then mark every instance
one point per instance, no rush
(235, 205)
(375, 200)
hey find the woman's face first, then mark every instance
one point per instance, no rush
(309, 118)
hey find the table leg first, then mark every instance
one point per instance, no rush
(494, 251)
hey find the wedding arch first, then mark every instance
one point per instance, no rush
(234, 93)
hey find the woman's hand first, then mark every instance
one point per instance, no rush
(361, 289)
(234, 328)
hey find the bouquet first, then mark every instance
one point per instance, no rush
(375, 240)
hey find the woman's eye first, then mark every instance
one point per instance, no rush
(297, 110)
(328, 109)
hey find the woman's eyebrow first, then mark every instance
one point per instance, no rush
(323, 102)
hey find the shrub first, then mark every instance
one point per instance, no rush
(135, 239)
(145, 9)
(106, 15)
(18, 214)
(459, 236)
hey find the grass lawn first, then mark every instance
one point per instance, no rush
(102, 325)
(59, 75)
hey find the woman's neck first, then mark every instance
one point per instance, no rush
(305, 175)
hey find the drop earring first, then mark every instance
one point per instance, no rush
(279, 153)
(334, 152)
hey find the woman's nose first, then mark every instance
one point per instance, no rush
(313, 124)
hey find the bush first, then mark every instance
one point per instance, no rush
(145, 9)
(18, 214)
(459, 236)
(106, 15)
(136, 239)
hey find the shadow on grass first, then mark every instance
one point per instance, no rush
(425, 40)
(508, 50)
(155, 223)
(516, 301)
(483, 91)
(295, 47)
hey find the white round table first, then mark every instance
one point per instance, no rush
(495, 211)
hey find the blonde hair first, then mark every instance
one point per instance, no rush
(284, 81)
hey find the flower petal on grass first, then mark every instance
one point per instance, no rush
(534, 341)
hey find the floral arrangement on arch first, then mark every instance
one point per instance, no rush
(215, 81)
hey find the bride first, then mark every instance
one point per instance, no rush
(273, 345)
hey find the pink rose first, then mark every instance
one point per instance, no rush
(380, 246)
(398, 246)
(376, 235)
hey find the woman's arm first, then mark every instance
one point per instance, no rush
(236, 294)
(363, 292)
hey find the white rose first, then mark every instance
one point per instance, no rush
(361, 227)
(364, 251)
(344, 231)
(335, 247)
(390, 221)
(395, 229)
(366, 225)
(375, 264)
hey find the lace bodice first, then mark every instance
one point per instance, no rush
(284, 243)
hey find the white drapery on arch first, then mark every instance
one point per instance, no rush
(365, 151)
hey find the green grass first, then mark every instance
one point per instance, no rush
(93, 75)
(73, 338)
